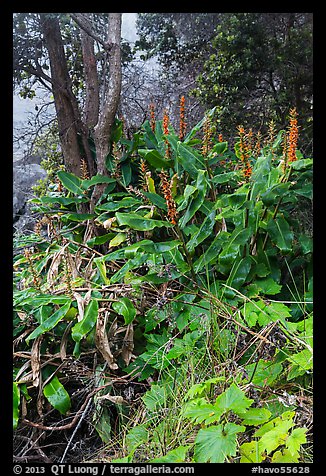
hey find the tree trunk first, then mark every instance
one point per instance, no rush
(103, 128)
(66, 110)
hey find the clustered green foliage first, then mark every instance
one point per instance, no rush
(177, 275)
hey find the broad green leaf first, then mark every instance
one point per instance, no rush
(136, 437)
(136, 222)
(211, 254)
(154, 158)
(87, 183)
(100, 263)
(71, 182)
(126, 308)
(87, 323)
(125, 202)
(285, 456)
(286, 416)
(118, 239)
(232, 246)
(296, 439)
(280, 233)
(268, 286)
(155, 397)
(51, 322)
(273, 193)
(204, 231)
(264, 373)
(220, 147)
(255, 416)
(63, 200)
(225, 177)
(77, 217)
(16, 403)
(250, 453)
(195, 202)
(302, 164)
(178, 455)
(57, 395)
(129, 265)
(233, 399)
(199, 411)
(238, 274)
(99, 240)
(275, 437)
(157, 200)
(192, 162)
(301, 362)
(216, 443)
(43, 299)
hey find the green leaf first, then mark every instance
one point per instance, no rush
(296, 439)
(16, 403)
(232, 246)
(157, 200)
(155, 397)
(216, 443)
(268, 286)
(211, 254)
(275, 437)
(118, 239)
(233, 399)
(63, 200)
(255, 416)
(250, 453)
(99, 240)
(100, 263)
(264, 373)
(87, 323)
(204, 231)
(301, 363)
(238, 275)
(302, 164)
(136, 437)
(220, 147)
(192, 162)
(51, 322)
(77, 217)
(125, 202)
(71, 182)
(126, 308)
(280, 234)
(154, 158)
(57, 395)
(96, 179)
(178, 455)
(199, 411)
(225, 177)
(285, 456)
(136, 222)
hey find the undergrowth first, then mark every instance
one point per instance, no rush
(172, 322)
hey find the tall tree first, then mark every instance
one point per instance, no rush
(68, 46)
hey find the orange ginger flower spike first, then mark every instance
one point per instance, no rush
(152, 116)
(182, 124)
(220, 137)
(166, 121)
(171, 205)
(293, 136)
